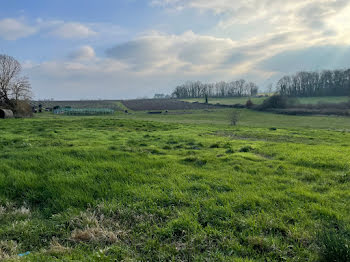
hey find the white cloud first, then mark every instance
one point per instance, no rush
(83, 53)
(12, 29)
(279, 16)
(152, 63)
(156, 62)
(253, 7)
(202, 53)
(73, 30)
(276, 26)
(16, 28)
(99, 78)
(164, 52)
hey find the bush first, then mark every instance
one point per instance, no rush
(249, 103)
(23, 109)
(277, 102)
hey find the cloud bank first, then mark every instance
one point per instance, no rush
(271, 38)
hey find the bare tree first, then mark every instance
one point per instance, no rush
(13, 87)
(21, 90)
(252, 89)
(325, 83)
(220, 89)
(269, 88)
(235, 116)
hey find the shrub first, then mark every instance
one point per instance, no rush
(277, 101)
(23, 109)
(249, 103)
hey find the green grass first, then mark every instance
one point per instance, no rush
(324, 99)
(249, 118)
(122, 107)
(176, 187)
(259, 100)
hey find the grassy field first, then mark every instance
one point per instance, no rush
(259, 100)
(184, 186)
(248, 118)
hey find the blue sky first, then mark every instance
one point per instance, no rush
(86, 49)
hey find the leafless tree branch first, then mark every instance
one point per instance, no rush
(13, 87)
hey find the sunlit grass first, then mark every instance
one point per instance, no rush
(174, 187)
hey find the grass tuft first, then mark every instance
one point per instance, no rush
(334, 245)
(246, 149)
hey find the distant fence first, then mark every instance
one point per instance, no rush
(83, 111)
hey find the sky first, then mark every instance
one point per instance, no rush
(122, 49)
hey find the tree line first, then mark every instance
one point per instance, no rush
(325, 83)
(197, 89)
